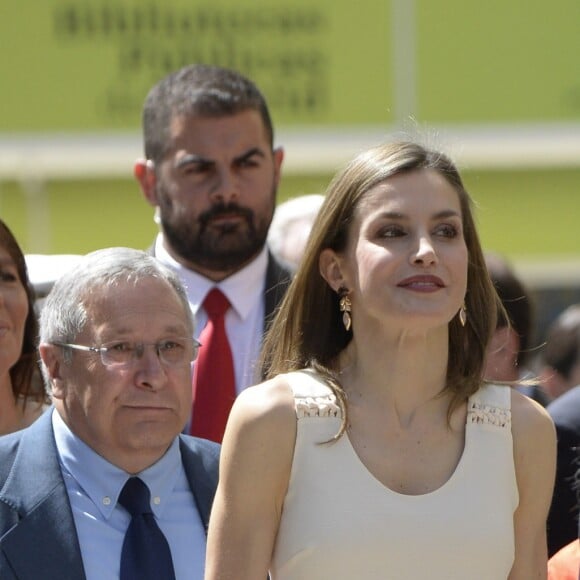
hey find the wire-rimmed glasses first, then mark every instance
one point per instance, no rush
(172, 352)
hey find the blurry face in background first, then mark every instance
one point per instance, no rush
(13, 312)
(216, 191)
(295, 241)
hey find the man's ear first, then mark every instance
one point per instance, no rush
(278, 155)
(330, 266)
(144, 172)
(52, 358)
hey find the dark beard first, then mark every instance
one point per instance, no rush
(212, 247)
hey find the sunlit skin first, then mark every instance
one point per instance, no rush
(13, 314)
(128, 416)
(405, 266)
(216, 191)
(406, 263)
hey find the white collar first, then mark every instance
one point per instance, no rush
(243, 288)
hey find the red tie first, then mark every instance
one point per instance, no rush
(213, 378)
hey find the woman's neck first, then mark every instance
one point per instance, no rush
(401, 373)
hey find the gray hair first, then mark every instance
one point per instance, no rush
(301, 211)
(64, 315)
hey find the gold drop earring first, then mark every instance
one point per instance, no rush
(345, 307)
(463, 315)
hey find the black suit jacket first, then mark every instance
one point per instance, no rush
(277, 282)
(563, 517)
(38, 537)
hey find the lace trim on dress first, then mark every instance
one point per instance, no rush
(325, 406)
(489, 415)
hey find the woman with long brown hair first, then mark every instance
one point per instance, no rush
(375, 449)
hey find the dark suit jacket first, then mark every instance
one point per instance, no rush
(38, 537)
(563, 518)
(277, 282)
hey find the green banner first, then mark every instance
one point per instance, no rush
(86, 65)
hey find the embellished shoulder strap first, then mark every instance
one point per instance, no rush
(491, 405)
(312, 396)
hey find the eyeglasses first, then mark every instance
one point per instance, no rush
(172, 352)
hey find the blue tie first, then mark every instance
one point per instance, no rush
(146, 554)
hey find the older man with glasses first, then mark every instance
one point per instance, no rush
(105, 486)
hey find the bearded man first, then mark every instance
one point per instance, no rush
(211, 172)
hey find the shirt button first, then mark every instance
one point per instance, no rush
(156, 500)
(106, 500)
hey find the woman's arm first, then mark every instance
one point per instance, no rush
(535, 461)
(255, 465)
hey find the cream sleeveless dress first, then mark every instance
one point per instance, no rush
(339, 522)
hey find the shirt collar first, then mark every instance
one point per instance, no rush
(102, 481)
(240, 288)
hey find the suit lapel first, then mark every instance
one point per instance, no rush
(277, 281)
(201, 471)
(43, 544)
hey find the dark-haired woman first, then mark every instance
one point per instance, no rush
(22, 396)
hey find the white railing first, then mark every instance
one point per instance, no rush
(43, 157)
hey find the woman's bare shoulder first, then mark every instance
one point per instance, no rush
(263, 410)
(532, 427)
(529, 416)
(272, 396)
